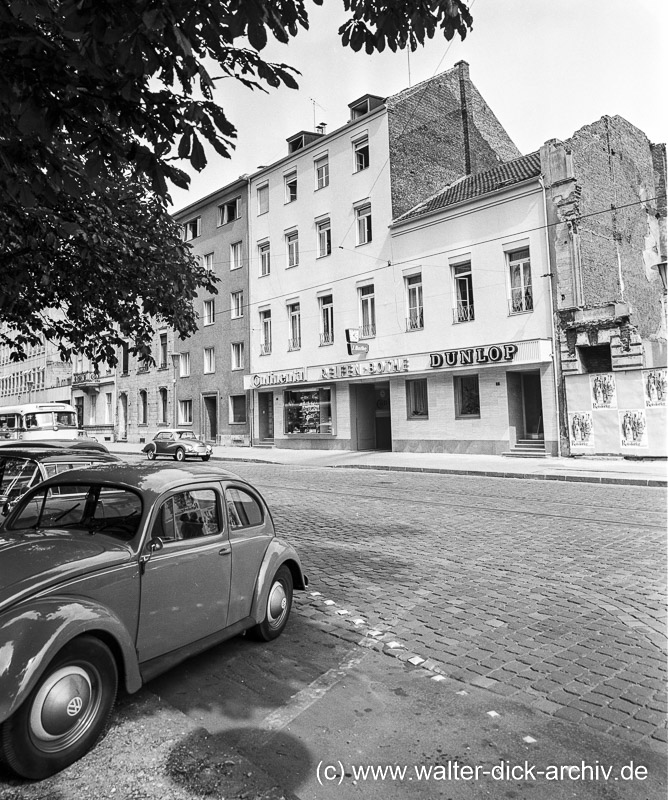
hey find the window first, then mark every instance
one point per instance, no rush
(209, 312)
(367, 312)
(208, 262)
(184, 364)
(321, 166)
(361, 154)
(107, 409)
(326, 320)
(467, 396)
(521, 296)
(185, 412)
(143, 407)
(290, 187)
(363, 217)
(228, 211)
(92, 410)
(237, 304)
(237, 408)
(191, 229)
(463, 311)
(187, 515)
(237, 355)
(292, 248)
(295, 326)
(162, 405)
(417, 406)
(125, 358)
(265, 332)
(415, 319)
(265, 258)
(163, 351)
(308, 412)
(243, 510)
(263, 199)
(235, 255)
(595, 358)
(324, 238)
(209, 359)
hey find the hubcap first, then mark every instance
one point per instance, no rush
(63, 708)
(277, 605)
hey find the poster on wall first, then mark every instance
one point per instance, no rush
(603, 390)
(581, 429)
(655, 382)
(633, 428)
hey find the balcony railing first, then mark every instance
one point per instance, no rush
(327, 338)
(415, 320)
(463, 312)
(265, 349)
(521, 300)
(368, 331)
(294, 344)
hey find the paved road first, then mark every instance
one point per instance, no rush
(551, 593)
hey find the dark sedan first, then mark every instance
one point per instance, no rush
(114, 574)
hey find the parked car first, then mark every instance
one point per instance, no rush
(117, 573)
(177, 443)
(21, 468)
(82, 443)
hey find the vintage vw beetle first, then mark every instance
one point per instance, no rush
(116, 573)
(177, 444)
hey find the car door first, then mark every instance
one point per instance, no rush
(162, 442)
(250, 531)
(185, 585)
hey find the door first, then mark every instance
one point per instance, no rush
(265, 403)
(363, 402)
(185, 588)
(210, 418)
(383, 417)
(532, 405)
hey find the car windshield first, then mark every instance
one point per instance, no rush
(114, 511)
(16, 475)
(186, 435)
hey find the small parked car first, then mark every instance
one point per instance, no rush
(115, 573)
(21, 468)
(177, 443)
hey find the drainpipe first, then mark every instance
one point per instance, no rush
(555, 344)
(251, 410)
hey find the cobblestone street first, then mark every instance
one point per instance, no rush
(551, 593)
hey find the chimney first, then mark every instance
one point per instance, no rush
(321, 128)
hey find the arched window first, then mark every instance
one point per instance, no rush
(143, 407)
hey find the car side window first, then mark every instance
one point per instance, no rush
(243, 510)
(188, 515)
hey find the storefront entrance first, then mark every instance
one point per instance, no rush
(532, 403)
(210, 417)
(370, 416)
(265, 410)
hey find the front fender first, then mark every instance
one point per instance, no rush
(277, 553)
(33, 632)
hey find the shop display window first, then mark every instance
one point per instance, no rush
(308, 411)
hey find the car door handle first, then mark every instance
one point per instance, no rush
(225, 551)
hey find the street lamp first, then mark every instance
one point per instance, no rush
(175, 363)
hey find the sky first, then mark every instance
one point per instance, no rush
(545, 67)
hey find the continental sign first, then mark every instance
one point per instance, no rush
(472, 356)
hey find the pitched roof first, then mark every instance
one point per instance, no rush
(472, 186)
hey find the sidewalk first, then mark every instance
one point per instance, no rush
(580, 468)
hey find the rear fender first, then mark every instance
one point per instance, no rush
(33, 632)
(277, 554)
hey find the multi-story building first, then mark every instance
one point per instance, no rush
(606, 202)
(41, 377)
(322, 259)
(93, 396)
(210, 365)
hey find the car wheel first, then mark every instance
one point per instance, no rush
(207, 457)
(279, 603)
(64, 715)
(180, 454)
(150, 454)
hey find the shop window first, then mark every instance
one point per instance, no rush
(597, 358)
(308, 412)
(467, 396)
(417, 404)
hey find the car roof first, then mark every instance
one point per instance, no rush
(87, 445)
(56, 455)
(149, 478)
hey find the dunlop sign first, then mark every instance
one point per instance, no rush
(473, 355)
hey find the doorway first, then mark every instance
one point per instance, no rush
(210, 418)
(265, 409)
(532, 405)
(370, 416)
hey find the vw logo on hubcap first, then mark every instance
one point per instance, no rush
(74, 706)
